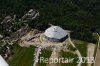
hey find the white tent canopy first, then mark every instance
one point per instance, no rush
(3, 62)
(55, 32)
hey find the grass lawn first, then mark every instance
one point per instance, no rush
(45, 54)
(69, 55)
(83, 50)
(82, 47)
(22, 56)
(1, 43)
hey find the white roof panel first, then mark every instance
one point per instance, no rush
(55, 32)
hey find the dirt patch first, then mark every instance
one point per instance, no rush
(90, 51)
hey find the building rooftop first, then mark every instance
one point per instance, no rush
(55, 32)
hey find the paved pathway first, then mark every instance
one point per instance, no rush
(97, 62)
(77, 51)
(38, 51)
(90, 51)
(98, 58)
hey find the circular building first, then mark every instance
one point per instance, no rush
(56, 34)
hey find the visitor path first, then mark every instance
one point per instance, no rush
(37, 53)
(90, 52)
(77, 51)
(54, 55)
(97, 60)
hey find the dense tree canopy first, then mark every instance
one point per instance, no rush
(80, 16)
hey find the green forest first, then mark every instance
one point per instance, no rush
(82, 17)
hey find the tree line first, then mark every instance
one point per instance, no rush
(80, 16)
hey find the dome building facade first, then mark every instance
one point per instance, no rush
(56, 34)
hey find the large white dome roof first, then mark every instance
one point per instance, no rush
(3, 62)
(55, 32)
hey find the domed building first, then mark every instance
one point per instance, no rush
(56, 34)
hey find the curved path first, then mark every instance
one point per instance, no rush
(77, 51)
